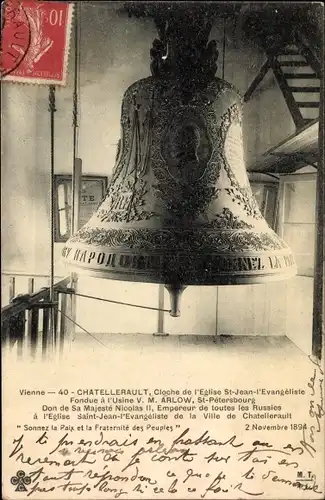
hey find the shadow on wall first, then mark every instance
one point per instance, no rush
(112, 42)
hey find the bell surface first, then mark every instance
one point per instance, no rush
(179, 209)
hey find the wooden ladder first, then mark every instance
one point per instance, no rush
(298, 77)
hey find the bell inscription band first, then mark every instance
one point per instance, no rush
(179, 209)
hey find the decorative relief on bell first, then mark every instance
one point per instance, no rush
(180, 209)
(125, 203)
(227, 220)
(129, 187)
(186, 147)
(165, 239)
(234, 153)
(233, 162)
(193, 268)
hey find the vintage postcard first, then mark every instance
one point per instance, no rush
(162, 316)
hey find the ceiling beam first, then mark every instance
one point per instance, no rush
(284, 165)
(305, 138)
(296, 151)
(309, 158)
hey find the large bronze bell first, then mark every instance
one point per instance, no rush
(179, 209)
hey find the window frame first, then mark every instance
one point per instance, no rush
(287, 179)
(66, 180)
(267, 187)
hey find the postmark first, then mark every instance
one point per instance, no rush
(46, 26)
(15, 36)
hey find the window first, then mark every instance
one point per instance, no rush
(266, 196)
(297, 219)
(92, 192)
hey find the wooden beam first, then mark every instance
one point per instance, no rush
(31, 290)
(301, 140)
(76, 191)
(257, 80)
(287, 94)
(319, 274)
(161, 305)
(307, 51)
(301, 76)
(75, 220)
(12, 288)
(282, 164)
(308, 156)
(310, 104)
(302, 144)
(24, 302)
(305, 89)
(294, 64)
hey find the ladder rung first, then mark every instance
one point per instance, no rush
(314, 104)
(295, 64)
(290, 52)
(308, 120)
(291, 46)
(300, 76)
(305, 89)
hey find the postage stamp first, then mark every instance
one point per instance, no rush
(35, 41)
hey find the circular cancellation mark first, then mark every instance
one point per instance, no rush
(15, 36)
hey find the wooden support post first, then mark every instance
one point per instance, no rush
(76, 191)
(17, 332)
(12, 288)
(257, 80)
(305, 49)
(55, 319)
(217, 313)
(319, 275)
(77, 163)
(287, 94)
(31, 284)
(161, 302)
(45, 331)
(34, 332)
(72, 329)
(63, 321)
(52, 110)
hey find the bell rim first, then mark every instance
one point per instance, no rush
(221, 280)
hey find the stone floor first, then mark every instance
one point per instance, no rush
(188, 356)
(183, 360)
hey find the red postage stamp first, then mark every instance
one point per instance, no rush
(35, 39)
